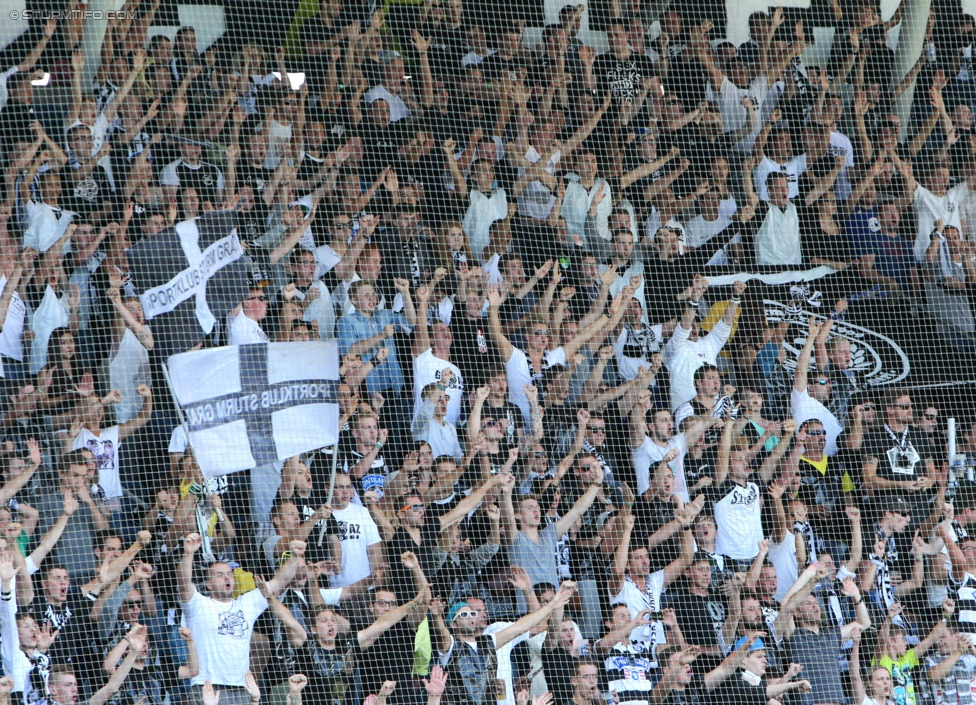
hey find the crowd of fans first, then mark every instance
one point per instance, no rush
(569, 471)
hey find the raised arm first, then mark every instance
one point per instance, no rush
(803, 362)
(566, 522)
(470, 502)
(294, 631)
(368, 636)
(495, 299)
(532, 619)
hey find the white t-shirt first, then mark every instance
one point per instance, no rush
(684, 356)
(783, 557)
(738, 516)
(427, 370)
(804, 407)
(398, 109)
(930, 208)
(128, 369)
(778, 238)
(793, 168)
(12, 332)
(646, 597)
(519, 375)
(222, 634)
(105, 448)
(734, 115)
(576, 204)
(4, 94)
(483, 210)
(178, 442)
(278, 138)
(536, 201)
(241, 330)
(840, 146)
(357, 532)
(650, 454)
(45, 225)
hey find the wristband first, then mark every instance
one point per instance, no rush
(378, 445)
(859, 601)
(736, 299)
(693, 304)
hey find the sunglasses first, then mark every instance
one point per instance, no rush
(467, 614)
(414, 507)
(598, 429)
(816, 434)
(385, 603)
(540, 331)
(822, 382)
(541, 454)
(869, 407)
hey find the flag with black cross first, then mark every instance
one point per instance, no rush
(250, 405)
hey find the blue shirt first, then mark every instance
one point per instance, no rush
(354, 327)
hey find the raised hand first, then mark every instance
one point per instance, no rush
(436, 683)
(251, 686)
(297, 683)
(209, 695)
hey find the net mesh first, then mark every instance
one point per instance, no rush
(424, 351)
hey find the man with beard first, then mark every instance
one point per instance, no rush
(222, 624)
(469, 655)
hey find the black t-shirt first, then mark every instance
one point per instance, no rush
(381, 146)
(88, 194)
(739, 691)
(325, 670)
(559, 666)
(622, 77)
(509, 416)
(256, 177)
(700, 618)
(447, 48)
(390, 658)
(318, 546)
(472, 349)
(693, 694)
(901, 456)
(151, 683)
(74, 643)
(400, 579)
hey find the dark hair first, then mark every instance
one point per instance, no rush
(702, 371)
(102, 538)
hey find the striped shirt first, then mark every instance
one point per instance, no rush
(630, 669)
(964, 593)
(957, 687)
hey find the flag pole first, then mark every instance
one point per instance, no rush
(179, 414)
(335, 462)
(206, 485)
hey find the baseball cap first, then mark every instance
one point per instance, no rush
(898, 505)
(757, 645)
